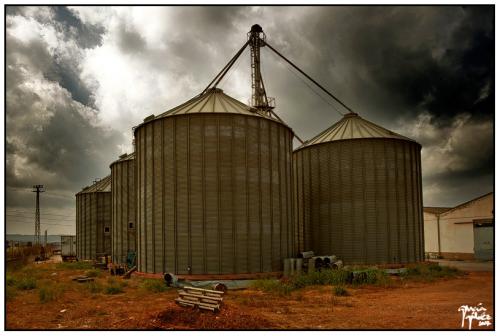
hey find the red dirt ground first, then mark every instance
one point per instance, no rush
(412, 305)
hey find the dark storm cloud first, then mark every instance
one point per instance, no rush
(63, 148)
(65, 70)
(86, 35)
(424, 71)
(59, 67)
(192, 44)
(52, 136)
(391, 65)
(67, 75)
(399, 60)
(129, 40)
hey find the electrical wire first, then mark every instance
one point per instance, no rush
(44, 218)
(41, 213)
(42, 223)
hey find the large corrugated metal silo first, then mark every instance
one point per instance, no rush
(123, 202)
(93, 220)
(359, 194)
(214, 188)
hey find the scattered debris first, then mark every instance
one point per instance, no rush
(117, 269)
(219, 287)
(396, 271)
(170, 279)
(307, 262)
(83, 278)
(201, 298)
(129, 272)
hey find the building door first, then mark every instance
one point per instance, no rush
(483, 239)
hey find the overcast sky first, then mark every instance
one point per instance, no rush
(79, 79)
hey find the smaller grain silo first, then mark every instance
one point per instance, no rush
(359, 194)
(123, 227)
(93, 220)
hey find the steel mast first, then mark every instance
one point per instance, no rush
(38, 189)
(257, 38)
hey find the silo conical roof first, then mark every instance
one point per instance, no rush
(102, 185)
(124, 157)
(352, 126)
(214, 101)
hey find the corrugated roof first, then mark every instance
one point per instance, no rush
(352, 126)
(213, 101)
(436, 210)
(461, 205)
(103, 185)
(124, 157)
(442, 210)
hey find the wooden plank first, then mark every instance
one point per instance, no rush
(204, 290)
(213, 295)
(199, 305)
(187, 298)
(200, 296)
(195, 299)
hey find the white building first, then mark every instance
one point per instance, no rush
(461, 232)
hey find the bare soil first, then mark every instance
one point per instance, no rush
(406, 305)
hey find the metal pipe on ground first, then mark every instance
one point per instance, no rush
(306, 254)
(220, 287)
(298, 265)
(287, 267)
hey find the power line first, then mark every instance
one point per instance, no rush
(50, 220)
(49, 193)
(31, 215)
(45, 219)
(42, 214)
(30, 211)
(30, 222)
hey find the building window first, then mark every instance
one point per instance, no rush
(106, 229)
(131, 225)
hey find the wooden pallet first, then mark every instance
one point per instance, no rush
(201, 298)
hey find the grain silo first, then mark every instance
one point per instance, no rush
(123, 202)
(93, 220)
(359, 194)
(214, 189)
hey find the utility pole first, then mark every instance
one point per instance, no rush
(38, 189)
(45, 240)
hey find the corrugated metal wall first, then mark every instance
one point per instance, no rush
(123, 202)
(93, 214)
(361, 200)
(214, 194)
